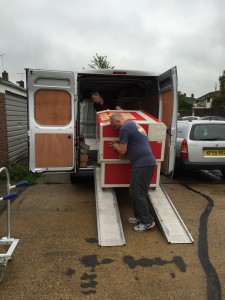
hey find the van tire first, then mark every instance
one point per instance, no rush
(223, 172)
(76, 179)
(73, 178)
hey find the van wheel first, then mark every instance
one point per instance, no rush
(223, 172)
(73, 178)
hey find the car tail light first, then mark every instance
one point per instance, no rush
(184, 149)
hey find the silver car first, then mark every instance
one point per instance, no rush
(189, 118)
(214, 118)
(200, 145)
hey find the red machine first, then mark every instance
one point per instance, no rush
(115, 172)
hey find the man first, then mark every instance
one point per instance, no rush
(135, 144)
(103, 104)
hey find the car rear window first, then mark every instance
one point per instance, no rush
(182, 129)
(209, 132)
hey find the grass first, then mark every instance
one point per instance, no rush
(19, 172)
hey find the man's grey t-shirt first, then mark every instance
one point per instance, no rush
(139, 151)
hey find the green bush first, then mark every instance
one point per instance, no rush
(19, 172)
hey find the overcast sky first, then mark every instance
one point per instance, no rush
(144, 35)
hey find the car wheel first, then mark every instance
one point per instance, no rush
(176, 173)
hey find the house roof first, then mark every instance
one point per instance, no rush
(12, 85)
(209, 95)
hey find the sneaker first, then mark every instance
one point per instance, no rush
(134, 220)
(144, 227)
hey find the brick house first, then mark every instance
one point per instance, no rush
(206, 100)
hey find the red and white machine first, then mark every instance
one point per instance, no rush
(115, 172)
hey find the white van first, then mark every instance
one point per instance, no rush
(62, 119)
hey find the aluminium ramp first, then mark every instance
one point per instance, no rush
(170, 221)
(110, 229)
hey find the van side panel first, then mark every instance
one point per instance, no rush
(167, 112)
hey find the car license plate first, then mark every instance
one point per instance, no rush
(214, 152)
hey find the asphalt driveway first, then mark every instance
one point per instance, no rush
(58, 256)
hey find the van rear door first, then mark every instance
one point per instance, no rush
(51, 120)
(168, 114)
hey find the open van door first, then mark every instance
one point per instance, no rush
(168, 115)
(51, 120)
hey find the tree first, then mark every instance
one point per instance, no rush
(100, 62)
(219, 101)
(184, 104)
(222, 83)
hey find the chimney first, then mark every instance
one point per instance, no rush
(192, 95)
(5, 76)
(21, 83)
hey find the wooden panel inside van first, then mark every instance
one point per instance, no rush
(52, 107)
(167, 113)
(53, 150)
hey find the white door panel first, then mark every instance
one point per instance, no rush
(168, 115)
(51, 120)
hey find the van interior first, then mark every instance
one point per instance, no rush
(128, 92)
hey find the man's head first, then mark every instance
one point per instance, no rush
(96, 97)
(117, 120)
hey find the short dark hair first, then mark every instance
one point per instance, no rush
(94, 92)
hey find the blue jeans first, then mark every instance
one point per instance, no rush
(139, 185)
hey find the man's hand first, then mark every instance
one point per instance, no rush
(120, 148)
(114, 146)
(123, 157)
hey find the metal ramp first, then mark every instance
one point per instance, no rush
(109, 225)
(170, 221)
(110, 229)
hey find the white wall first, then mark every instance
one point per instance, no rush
(4, 88)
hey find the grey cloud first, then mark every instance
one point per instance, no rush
(151, 35)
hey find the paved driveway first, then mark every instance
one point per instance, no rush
(58, 256)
